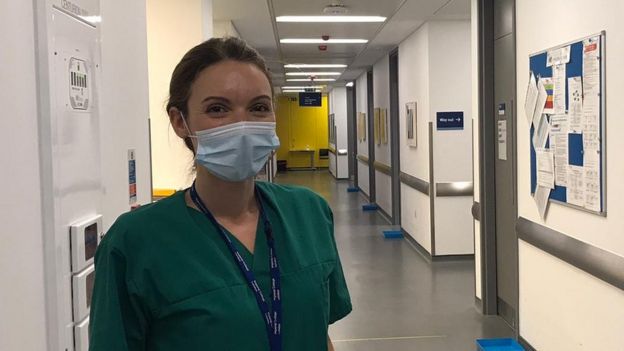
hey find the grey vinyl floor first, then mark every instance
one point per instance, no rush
(401, 301)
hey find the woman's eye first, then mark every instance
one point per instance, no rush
(216, 109)
(261, 108)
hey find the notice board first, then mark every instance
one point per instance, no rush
(573, 76)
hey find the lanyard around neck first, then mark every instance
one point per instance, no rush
(273, 321)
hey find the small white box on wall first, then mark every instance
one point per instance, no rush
(85, 237)
(82, 284)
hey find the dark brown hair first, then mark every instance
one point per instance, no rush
(202, 56)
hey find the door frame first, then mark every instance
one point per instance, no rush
(487, 159)
(395, 133)
(370, 103)
(352, 134)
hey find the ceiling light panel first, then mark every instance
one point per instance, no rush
(310, 80)
(313, 73)
(305, 87)
(321, 41)
(305, 65)
(327, 19)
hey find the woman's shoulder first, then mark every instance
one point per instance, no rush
(134, 227)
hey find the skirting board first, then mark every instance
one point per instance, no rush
(385, 215)
(432, 259)
(336, 178)
(366, 197)
(417, 247)
(479, 305)
(525, 344)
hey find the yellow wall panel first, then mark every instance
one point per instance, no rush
(301, 128)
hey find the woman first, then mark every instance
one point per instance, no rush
(229, 264)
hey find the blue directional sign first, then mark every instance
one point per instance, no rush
(450, 121)
(310, 99)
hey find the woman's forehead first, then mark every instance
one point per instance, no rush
(231, 79)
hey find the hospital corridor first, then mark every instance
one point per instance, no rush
(311, 175)
(410, 303)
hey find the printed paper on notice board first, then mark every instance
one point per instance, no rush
(549, 85)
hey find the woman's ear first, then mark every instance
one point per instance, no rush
(176, 118)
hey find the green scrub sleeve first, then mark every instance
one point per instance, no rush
(117, 322)
(339, 299)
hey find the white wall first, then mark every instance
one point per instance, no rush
(381, 99)
(224, 29)
(435, 71)
(450, 87)
(474, 44)
(173, 28)
(209, 27)
(564, 308)
(339, 165)
(414, 87)
(125, 105)
(589, 313)
(362, 146)
(22, 300)
(333, 165)
(23, 308)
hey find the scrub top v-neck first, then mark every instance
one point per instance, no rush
(165, 279)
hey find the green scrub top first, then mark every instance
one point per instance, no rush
(165, 280)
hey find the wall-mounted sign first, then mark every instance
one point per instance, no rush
(132, 179)
(450, 121)
(502, 140)
(502, 109)
(79, 82)
(80, 8)
(310, 99)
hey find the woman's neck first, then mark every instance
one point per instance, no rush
(225, 199)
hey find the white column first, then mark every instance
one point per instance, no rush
(207, 19)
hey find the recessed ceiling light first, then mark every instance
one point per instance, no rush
(310, 80)
(305, 65)
(325, 19)
(301, 91)
(306, 87)
(313, 73)
(350, 84)
(321, 41)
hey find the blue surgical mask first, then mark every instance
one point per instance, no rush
(236, 151)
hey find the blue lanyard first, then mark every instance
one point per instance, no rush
(273, 320)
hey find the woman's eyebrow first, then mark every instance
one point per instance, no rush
(219, 98)
(227, 101)
(261, 97)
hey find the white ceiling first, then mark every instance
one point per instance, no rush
(255, 22)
